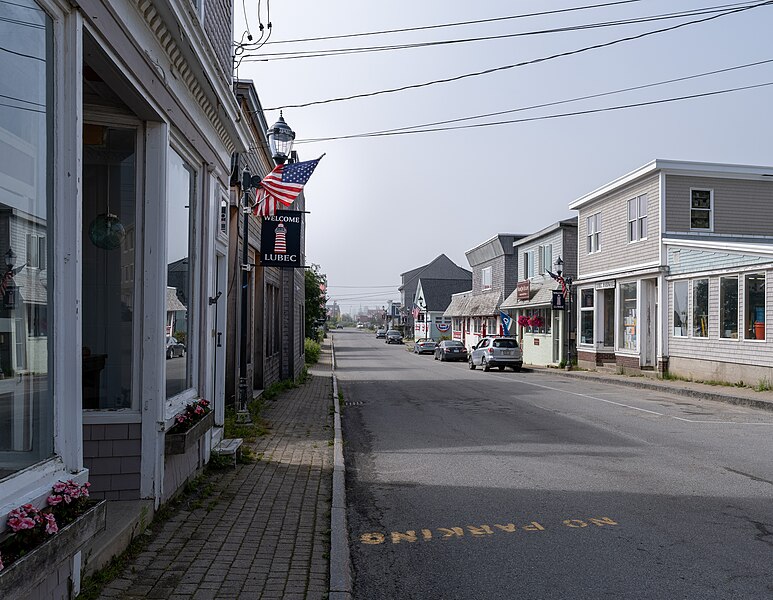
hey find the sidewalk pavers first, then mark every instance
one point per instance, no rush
(263, 532)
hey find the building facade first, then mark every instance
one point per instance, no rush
(475, 313)
(116, 144)
(545, 341)
(672, 264)
(430, 302)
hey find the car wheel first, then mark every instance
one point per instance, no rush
(484, 362)
(169, 354)
(516, 369)
(472, 364)
(501, 369)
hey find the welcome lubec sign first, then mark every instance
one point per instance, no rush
(280, 239)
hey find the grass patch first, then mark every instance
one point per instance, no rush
(764, 385)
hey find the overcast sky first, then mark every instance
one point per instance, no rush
(384, 205)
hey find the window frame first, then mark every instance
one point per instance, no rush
(694, 307)
(528, 264)
(486, 278)
(584, 311)
(593, 233)
(637, 218)
(545, 261)
(748, 323)
(710, 210)
(685, 328)
(737, 308)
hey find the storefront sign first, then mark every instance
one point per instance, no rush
(605, 285)
(559, 301)
(523, 290)
(280, 239)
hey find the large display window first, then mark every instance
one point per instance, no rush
(628, 316)
(26, 190)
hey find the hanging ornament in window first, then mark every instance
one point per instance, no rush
(106, 230)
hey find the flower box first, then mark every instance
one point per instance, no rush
(178, 443)
(19, 578)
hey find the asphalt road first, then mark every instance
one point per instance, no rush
(470, 485)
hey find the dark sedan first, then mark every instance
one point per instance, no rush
(174, 348)
(450, 350)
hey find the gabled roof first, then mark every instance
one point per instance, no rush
(440, 268)
(479, 305)
(572, 222)
(437, 292)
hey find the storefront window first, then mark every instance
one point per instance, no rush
(586, 316)
(628, 315)
(26, 182)
(680, 308)
(700, 308)
(728, 307)
(609, 318)
(181, 202)
(540, 320)
(754, 306)
(109, 230)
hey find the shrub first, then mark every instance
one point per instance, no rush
(311, 349)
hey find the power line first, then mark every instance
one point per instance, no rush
(523, 63)
(560, 115)
(456, 24)
(296, 54)
(548, 104)
(22, 54)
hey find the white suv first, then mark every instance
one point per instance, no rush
(497, 352)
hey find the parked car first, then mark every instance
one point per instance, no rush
(497, 352)
(339, 326)
(173, 347)
(450, 350)
(360, 325)
(381, 333)
(424, 345)
(394, 337)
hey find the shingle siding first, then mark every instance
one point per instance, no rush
(218, 24)
(741, 206)
(616, 252)
(112, 453)
(690, 260)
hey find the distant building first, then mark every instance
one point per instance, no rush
(430, 302)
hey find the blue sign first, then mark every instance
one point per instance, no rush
(559, 302)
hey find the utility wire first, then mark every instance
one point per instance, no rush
(523, 63)
(22, 100)
(557, 102)
(22, 54)
(27, 108)
(296, 54)
(547, 117)
(457, 24)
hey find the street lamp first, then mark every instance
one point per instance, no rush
(10, 259)
(280, 139)
(568, 283)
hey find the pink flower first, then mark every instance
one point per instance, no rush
(199, 410)
(51, 526)
(54, 500)
(59, 487)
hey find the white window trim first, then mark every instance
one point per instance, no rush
(743, 308)
(688, 319)
(483, 272)
(593, 234)
(739, 327)
(634, 224)
(581, 309)
(711, 209)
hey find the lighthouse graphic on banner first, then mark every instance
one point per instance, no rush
(280, 239)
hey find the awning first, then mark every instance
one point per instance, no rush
(474, 305)
(539, 296)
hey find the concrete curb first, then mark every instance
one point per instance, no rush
(643, 383)
(340, 561)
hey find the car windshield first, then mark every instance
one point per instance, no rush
(505, 344)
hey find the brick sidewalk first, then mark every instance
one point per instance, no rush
(263, 533)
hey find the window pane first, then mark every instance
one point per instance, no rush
(628, 316)
(680, 308)
(586, 327)
(586, 298)
(109, 208)
(26, 142)
(701, 199)
(700, 219)
(181, 195)
(700, 308)
(728, 307)
(754, 306)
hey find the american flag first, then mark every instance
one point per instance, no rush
(562, 281)
(281, 187)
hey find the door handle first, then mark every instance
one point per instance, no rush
(219, 344)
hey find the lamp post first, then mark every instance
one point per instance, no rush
(568, 282)
(280, 140)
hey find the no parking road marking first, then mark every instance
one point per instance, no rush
(412, 536)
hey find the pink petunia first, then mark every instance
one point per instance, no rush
(53, 500)
(60, 487)
(51, 526)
